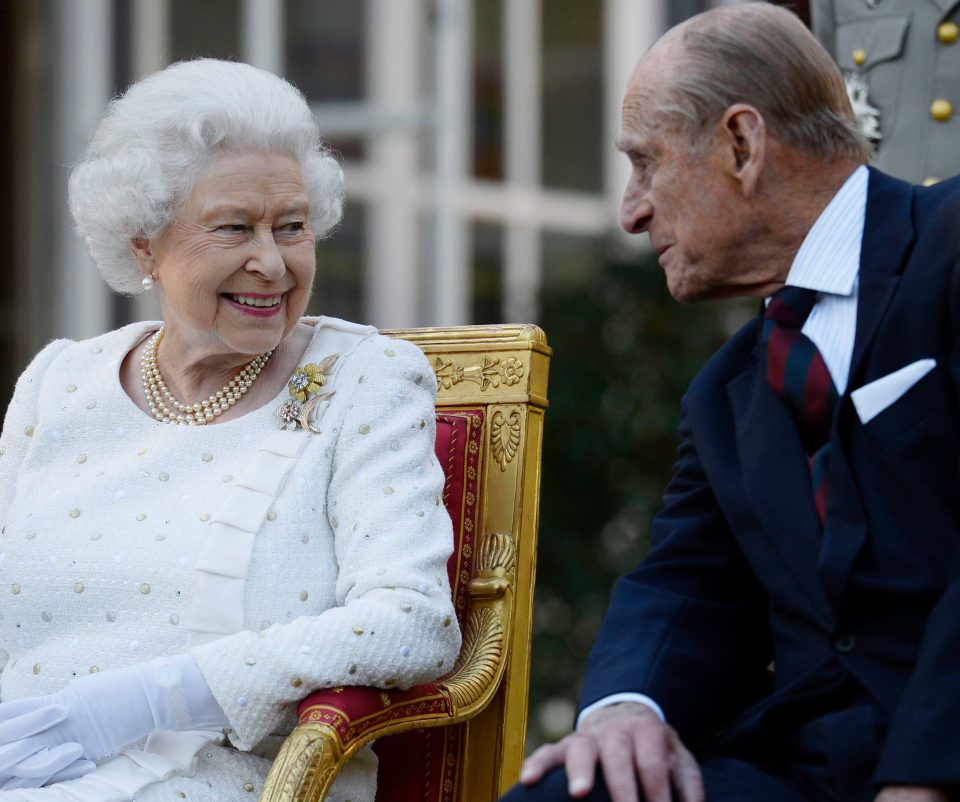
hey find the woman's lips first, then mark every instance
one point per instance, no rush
(255, 304)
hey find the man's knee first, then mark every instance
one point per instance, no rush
(725, 780)
(553, 788)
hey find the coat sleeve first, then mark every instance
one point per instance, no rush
(688, 626)
(21, 419)
(394, 624)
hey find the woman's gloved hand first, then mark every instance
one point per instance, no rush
(49, 766)
(103, 712)
(23, 751)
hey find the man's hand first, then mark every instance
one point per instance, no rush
(911, 793)
(630, 743)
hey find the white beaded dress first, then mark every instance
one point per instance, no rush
(284, 561)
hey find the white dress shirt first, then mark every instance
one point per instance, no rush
(828, 261)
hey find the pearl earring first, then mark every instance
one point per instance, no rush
(147, 283)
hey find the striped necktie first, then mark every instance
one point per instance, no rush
(797, 373)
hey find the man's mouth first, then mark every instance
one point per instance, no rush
(260, 301)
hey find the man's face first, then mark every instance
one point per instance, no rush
(687, 201)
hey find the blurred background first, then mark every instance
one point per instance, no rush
(476, 137)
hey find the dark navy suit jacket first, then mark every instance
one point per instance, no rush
(740, 574)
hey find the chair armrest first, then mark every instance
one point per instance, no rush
(337, 722)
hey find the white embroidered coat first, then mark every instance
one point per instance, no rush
(296, 561)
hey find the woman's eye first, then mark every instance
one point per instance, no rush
(232, 228)
(290, 230)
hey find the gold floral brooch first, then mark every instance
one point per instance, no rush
(305, 385)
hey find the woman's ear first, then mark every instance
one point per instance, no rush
(745, 135)
(140, 246)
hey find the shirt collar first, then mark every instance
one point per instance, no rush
(829, 257)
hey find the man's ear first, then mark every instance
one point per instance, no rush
(142, 253)
(745, 137)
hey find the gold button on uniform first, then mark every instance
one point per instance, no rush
(947, 32)
(859, 56)
(941, 110)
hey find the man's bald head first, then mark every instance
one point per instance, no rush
(758, 54)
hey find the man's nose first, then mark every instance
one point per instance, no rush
(635, 212)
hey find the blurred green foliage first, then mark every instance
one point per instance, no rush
(624, 353)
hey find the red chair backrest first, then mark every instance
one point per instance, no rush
(420, 766)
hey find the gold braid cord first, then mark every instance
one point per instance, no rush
(312, 755)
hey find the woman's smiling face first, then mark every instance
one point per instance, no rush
(235, 267)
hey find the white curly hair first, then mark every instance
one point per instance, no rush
(155, 140)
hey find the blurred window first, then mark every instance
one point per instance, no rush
(570, 262)
(487, 273)
(210, 28)
(325, 42)
(338, 288)
(488, 90)
(573, 95)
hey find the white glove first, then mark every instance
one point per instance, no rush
(22, 745)
(49, 766)
(106, 711)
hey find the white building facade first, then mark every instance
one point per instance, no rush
(476, 137)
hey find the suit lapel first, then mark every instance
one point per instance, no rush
(846, 529)
(776, 478)
(887, 238)
(775, 473)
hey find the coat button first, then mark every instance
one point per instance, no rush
(947, 32)
(941, 110)
(859, 56)
(844, 643)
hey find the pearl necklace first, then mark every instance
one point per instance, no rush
(160, 399)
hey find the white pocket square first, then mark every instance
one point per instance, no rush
(871, 399)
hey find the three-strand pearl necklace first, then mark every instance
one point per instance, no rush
(166, 408)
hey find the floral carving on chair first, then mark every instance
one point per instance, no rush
(489, 373)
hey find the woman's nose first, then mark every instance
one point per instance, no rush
(266, 258)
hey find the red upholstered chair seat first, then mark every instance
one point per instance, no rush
(419, 763)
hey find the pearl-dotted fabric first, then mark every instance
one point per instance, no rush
(104, 513)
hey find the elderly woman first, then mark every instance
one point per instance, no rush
(206, 518)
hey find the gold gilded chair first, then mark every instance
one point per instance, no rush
(461, 738)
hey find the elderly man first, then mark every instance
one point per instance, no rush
(796, 623)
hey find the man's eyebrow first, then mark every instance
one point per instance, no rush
(629, 145)
(632, 149)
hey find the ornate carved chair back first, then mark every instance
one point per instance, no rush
(460, 739)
